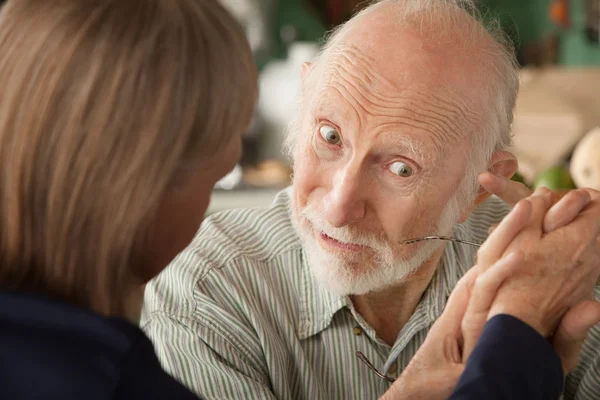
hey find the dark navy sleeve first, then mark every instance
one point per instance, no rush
(142, 377)
(511, 361)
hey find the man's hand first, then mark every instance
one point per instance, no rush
(541, 292)
(509, 191)
(512, 192)
(562, 267)
(435, 369)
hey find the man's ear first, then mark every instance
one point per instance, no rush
(305, 68)
(503, 164)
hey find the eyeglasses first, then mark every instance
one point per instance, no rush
(436, 237)
(364, 359)
(360, 354)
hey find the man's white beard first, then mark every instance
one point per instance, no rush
(338, 274)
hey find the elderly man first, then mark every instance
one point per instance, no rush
(406, 105)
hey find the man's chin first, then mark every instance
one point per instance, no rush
(348, 282)
(359, 274)
(346, 275)
(348, 271)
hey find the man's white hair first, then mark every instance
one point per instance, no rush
(439, 20)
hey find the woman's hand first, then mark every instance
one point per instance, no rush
(560, 270)
(502, 259)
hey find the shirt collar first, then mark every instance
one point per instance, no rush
(317, 304)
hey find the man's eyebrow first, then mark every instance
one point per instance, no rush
(325, 107)
(417, 147)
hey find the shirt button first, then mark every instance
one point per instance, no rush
(357, 330)
(393, 368)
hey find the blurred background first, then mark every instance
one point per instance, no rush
(558, 44)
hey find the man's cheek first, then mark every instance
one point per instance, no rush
(305, 183)
(311, 172)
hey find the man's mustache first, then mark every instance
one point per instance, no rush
(345, 234)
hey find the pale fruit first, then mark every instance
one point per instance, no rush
(585, 163)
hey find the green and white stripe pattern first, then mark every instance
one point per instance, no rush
(238, 316)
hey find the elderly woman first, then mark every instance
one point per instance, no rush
(117, 117)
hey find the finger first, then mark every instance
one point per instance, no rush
(594, 194)
(482, 296)
(573, 330)
(598, 269)
(541, 200)
(492, 228)
(591, 213)
(449, 321)
(487, 283)
(583, 231)
(509, 191)
(496, 244)
(567, 208)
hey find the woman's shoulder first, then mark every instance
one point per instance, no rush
(55, 350)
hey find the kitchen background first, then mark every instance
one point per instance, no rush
(558, 44)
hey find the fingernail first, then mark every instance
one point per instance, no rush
(519, 204)
(541, 191)
(522, 203)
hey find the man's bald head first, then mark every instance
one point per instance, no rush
(449, 48)
(400, 112)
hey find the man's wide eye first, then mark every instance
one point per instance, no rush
(331, 135)
(401, 169)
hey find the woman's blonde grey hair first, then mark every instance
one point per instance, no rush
(105, 105)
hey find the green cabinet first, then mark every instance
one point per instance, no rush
(529, 20)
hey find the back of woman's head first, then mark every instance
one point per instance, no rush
(106, 104)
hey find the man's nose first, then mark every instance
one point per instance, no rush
(345, 202)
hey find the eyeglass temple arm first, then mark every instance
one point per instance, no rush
(364, 359)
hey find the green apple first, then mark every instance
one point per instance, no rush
(555, 178)
(517, 177)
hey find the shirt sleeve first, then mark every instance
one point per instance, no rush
(209, 364)
(143, 378)
(511, 361)
(584, 382)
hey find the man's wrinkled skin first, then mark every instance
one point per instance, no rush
(424, 118)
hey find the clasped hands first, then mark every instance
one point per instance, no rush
(540, 265)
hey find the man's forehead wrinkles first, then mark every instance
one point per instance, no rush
(442, 124)
(458, 105)
(352, 54)
(442, 102)
(352, 60)
(428, 103)
(328, 102)
(438, 141)
(355, 69)
(438, 124)
(361, 93)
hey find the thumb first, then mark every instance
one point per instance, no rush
(482, 297)
(449, 322)
(572, 331)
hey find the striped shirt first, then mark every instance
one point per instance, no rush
(238, 315)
